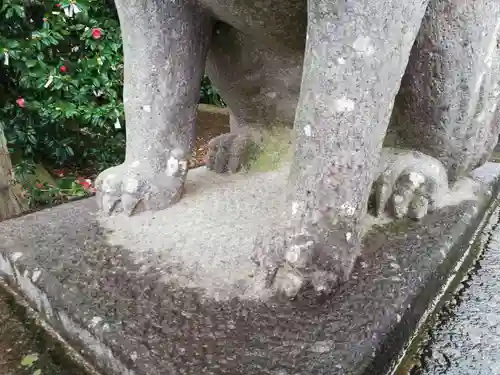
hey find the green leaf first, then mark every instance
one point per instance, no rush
(31, 63)
(29, 360)
(37, 372)
(19, 10)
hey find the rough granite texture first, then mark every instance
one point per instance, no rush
(130, 312)
(333, 69)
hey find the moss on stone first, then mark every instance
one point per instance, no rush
(495, 157)
(274, 149)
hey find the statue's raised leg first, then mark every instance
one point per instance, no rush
(355, 56)
(450, 92)
(165, 47)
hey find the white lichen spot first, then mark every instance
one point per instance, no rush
(398, 199)
(341, 61)
(293, 254)
(348, 209)
(348, 236)
(36, 275)
(172, 166)
(344, 105)
(134, 356)
(308, 130)
(146, 108)
(398, 318)
(95, 321)
(271, 95)
(395, 266)
(295, 208)
(132, 185)
(16, 256)
(416, 179)
(322, 346)
(135, 164)
(363, 46)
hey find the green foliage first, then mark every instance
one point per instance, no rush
(29, 360)
(61, 81)
(209, 94)
(64, 189)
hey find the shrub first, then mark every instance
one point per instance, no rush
(61, 75)
(61, 78)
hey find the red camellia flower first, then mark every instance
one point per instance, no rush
(20, 102)
(86, 184)
(58, 172)
(58, 5)
(63, 69)
(39, 186)
(96, 33)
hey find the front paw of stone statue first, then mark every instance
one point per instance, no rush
(135, 187)
(411, 184)
(293, 265)
(229, 152)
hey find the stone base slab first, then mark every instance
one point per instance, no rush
(167, 292)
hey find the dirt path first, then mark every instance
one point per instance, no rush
(211, 122)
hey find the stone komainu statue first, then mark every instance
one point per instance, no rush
(342, 73)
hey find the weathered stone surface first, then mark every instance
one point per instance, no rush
(447, 104)
(323, 67)
(163, 293)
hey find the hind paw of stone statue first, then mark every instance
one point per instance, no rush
(136, 187)
(411, 184)
(229, 152)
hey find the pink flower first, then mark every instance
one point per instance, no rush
(96, 33)
(20, 102)
(39, 186)
(63, 69)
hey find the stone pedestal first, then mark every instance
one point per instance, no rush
(170, 292)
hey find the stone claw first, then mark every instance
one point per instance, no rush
(228, 152)
(135, 187)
